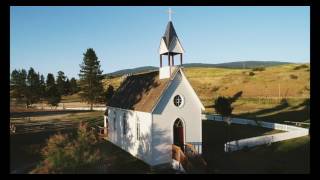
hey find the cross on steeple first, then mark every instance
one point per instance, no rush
(170, 46)
(170, 12)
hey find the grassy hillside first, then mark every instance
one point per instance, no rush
(260, 89)
(237, 64)
(262, 86)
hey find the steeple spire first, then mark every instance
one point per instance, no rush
(169, 46)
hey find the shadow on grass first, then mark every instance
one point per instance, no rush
(299, 113)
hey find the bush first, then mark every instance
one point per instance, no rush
(66, 154)
(300, 67)
(259, 69)
(251, 73)
(215, 88)
(292, 76)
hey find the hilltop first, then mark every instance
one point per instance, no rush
(235, 65)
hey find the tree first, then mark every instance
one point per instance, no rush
(50, 80)
(67, 87)
(18, 85)
(73, 86)
(91, 78)
(223, 107)
(109, 93)
(64, 153)
(33, 87)
(61, 79)
(54, 97)
(52, 94)
(42, 86)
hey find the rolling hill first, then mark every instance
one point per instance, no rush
(234, 65)
(260, 88)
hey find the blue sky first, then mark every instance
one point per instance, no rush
(50, 39)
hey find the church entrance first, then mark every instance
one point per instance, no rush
(178, 134)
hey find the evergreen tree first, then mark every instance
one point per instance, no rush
(33, 86)
(73, 86)
(50, 80)
(61, 79)
(109, 93)
(54, 96)
(52, 93)
(42, 87)
(67, 88)
(18, 85)
(91, 78)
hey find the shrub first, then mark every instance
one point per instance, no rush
(259, 69)
(251, 73)
(300, 67)
(292, 76)
(66, 154)
(215, 88)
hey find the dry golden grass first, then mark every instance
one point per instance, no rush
(260, 91)
(210, 83)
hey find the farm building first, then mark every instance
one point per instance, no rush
(153, 112)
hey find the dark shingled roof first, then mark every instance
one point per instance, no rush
(169, 34)
(140, 92)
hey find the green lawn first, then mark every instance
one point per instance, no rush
(291, 156)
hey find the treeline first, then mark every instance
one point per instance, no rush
(31, 87)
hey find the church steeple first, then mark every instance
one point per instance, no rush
(170, 44)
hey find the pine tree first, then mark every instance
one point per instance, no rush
(18, 85)
(42, 86)
(73, 86)
(109, 93)
(52, 94)
(50, 80)
(33, 86)
(67, 88)
(61, 79)
(91, 78)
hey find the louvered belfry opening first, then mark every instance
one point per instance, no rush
(170, 46)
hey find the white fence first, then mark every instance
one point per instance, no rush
(292, 132)
(74, 108)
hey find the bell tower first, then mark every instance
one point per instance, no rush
(169, 46)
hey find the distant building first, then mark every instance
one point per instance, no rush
(152, 111)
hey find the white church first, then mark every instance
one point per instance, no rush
(151, 112)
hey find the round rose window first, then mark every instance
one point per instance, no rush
(178, 101)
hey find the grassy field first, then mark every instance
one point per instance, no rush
(25, 147)
(259, 101)
(291, 156)
(260, 91)
(260, 98)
